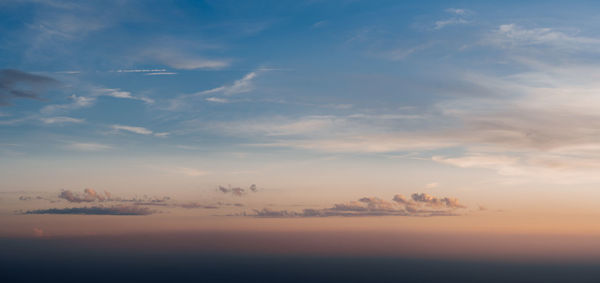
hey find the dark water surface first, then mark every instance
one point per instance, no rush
(30, 260)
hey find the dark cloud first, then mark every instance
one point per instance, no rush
(198, 205)
(253, 188)
(96, 210)
(145, 200)
(420, 205)
(17, 84)
(237, 191)
(234, 191)
(230, 204)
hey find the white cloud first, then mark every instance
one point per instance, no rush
(139, 130)
(132, 129)
(505, 165)
(456, 11)
(77, 103)
(459, 16)
(161, 74)
(87, 101)
(179, 58)
(217, 100)
(512, 35)
(61, 120)
(69, 72)
(141, 70)
(240, 86)
(122, 94)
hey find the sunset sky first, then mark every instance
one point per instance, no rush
(427, 129)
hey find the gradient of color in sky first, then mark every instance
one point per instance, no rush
(381, 123)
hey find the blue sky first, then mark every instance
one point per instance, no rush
(499, 89)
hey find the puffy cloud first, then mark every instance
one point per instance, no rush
(89, 195)
(374, 203)
(421, 205)
(400, 199)
(96, 210)
(18, 84)
(432, 201)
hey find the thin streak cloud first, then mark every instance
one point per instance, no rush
(119, 210)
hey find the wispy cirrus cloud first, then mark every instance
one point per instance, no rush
(132, 129)
(61, 120)
(182, 56)
(117, 93)
(140, 70)
(457, 16)
(513, 35)
(138, 130)
(239, 86)
(243, 85)
(161, 74)
(217, 100)
(77, 102)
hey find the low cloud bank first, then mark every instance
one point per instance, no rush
(420, 204)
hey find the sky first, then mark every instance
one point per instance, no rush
(458, 120)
